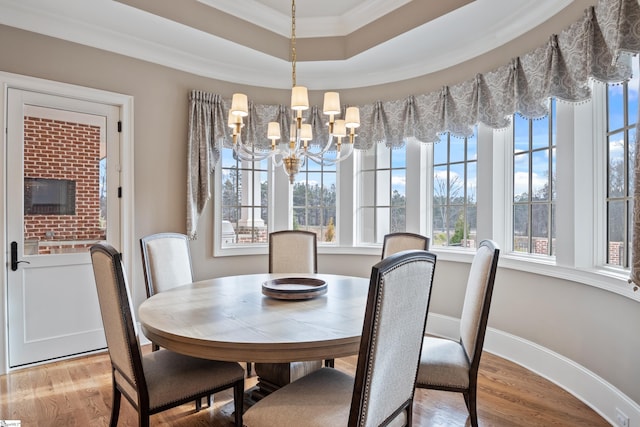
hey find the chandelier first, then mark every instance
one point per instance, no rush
(294, 153)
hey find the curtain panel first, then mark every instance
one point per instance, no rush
(597, 46)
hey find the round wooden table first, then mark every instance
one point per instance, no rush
(229, 319)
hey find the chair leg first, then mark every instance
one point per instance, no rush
(329, 363)
(198, 405)
(238, 401)
(248, 369)
(470, 401)
(143, 418)
(115, 406)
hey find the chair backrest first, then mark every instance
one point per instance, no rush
(166, 261)
(397, 242)
(392, 336)
(118, 320)
(293, 251)
(477, 301)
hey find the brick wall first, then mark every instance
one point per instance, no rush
(63, 150)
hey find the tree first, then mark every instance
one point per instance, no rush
(230, 194)
(445, 192)
(459, 233)
(398, 212)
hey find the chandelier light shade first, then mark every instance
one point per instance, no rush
(293, 154)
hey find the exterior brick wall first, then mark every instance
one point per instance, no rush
(71, 151)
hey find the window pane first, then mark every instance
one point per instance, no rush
(299, 218)
(440, 150)
(553, 229)
(367, 229)
(456, 183)
(632, 98)
(383, 223)
(383, 158)
(368, 158)
(367, 193)
(399, 184)
(615, 107)
(521, 228)
(398, 220)
(471, 183)
(472, 148)
(554, 122)
(616, 233)
(540, 228)
(616, 185)
(383, 188)
(521, 177)
(632, 159)
(472, 221)
(399, 157)
(456, 225)
(440, 185)
(540, 133)
(553, 174)
(520, 133)
(540, 175)
(457, 150)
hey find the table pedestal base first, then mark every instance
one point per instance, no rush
(272, 376)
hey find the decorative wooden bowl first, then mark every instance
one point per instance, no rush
(294, 288)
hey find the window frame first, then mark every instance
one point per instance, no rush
(580, 188)
(465, 162)
(530, 203)
(364, 186)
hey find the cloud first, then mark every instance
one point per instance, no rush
(521, 182)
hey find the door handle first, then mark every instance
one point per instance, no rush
(14, 257)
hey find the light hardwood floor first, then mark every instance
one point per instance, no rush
(77, 392)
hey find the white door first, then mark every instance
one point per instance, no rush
(62, 168)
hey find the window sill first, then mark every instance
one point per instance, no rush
(608, 279)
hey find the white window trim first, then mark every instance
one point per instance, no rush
(580, 213)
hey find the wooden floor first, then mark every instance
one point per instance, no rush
(77, 392)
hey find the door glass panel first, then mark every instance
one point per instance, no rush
(64, 181)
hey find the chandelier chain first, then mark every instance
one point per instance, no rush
(293, 42)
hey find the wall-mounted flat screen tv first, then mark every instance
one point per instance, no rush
(44, 196)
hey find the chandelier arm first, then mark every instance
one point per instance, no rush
(324, 149)
(277, 163)
(248, 155)
(331, 162)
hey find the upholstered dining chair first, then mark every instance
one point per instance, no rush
(453, 365)
(161, 379)
(292, 251)
(384, 385)
(402, 241)
(166, 261)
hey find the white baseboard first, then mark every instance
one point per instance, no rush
(585, 385)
